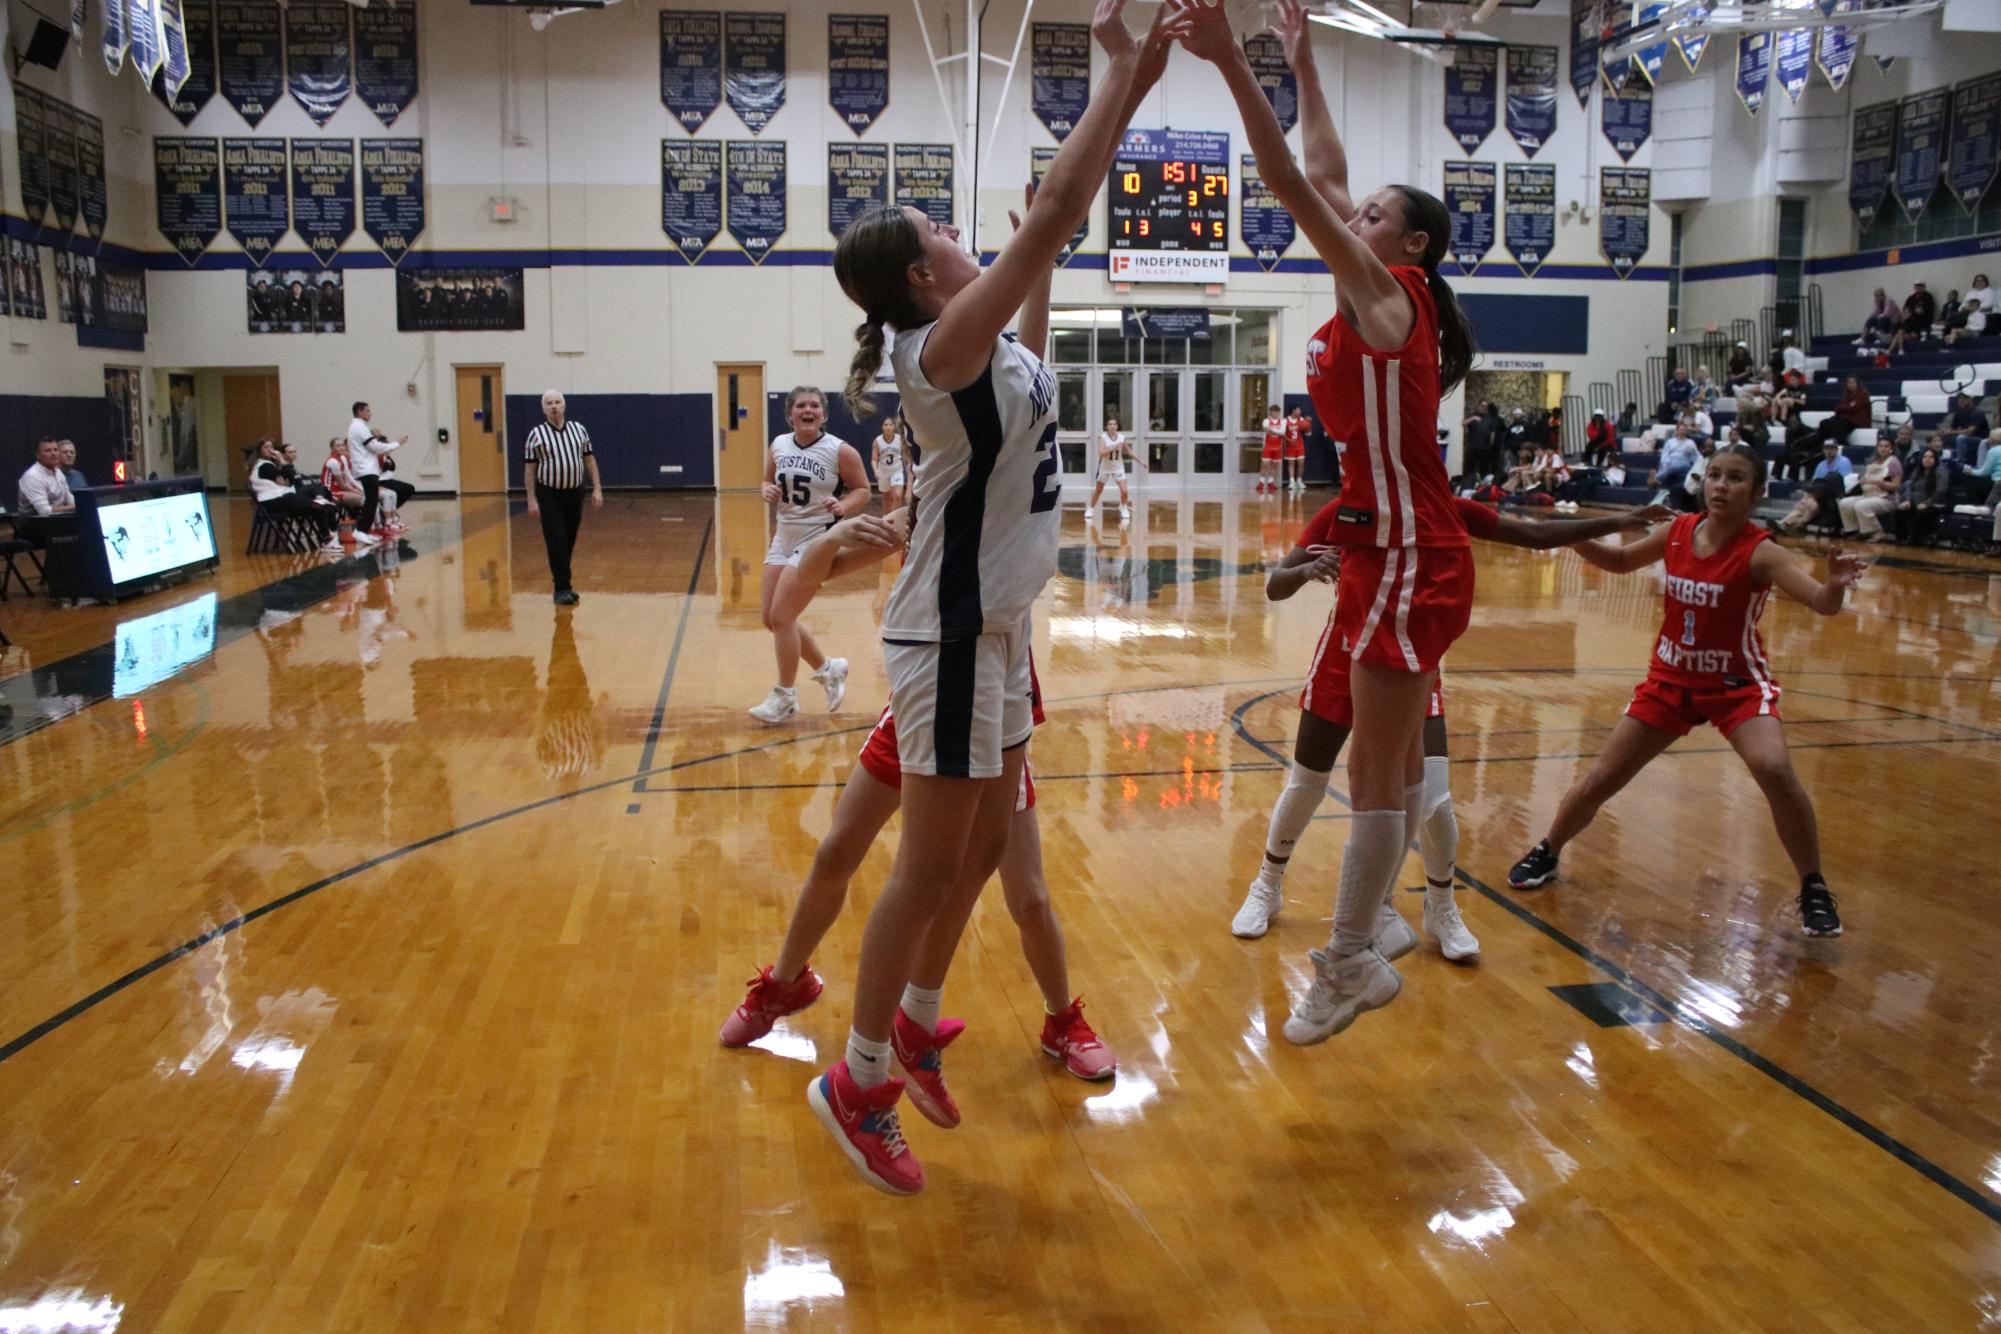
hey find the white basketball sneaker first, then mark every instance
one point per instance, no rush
(1261, 904)
(779, 705)
(834, 676)
(1394, 938)
(1341, 990)
(1444, 925)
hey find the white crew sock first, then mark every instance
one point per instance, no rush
(1304, 790)
(1413, 822)
(1373, 856)
(868, 1062)
(920, 1006)
(1438, 836)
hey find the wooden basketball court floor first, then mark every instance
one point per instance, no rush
(365, 975)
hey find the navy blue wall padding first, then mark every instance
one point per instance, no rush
(1505, 323)
(633, 435)
(25, 418)
(1323, 464)
(841, 423)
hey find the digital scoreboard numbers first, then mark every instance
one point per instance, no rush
(1170, 207)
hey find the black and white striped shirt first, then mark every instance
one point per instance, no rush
(558, 454)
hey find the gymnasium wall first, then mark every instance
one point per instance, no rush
(567, 123)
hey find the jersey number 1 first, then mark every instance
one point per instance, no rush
(1688, 627)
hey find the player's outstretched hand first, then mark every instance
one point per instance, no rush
(1648, 515)
(1027, 203)
(1326, 566)
(1291, 32)
(1845, 568)
(1169, 23)
(1108, 25)
(865, 530)
(1206, 31)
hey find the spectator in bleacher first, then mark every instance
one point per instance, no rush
(1628, 424)
(1742, 369)
(1966, 429)
(1802, 451)
(1926, 498)
(1862, 509)
(1907, 440)
(1787, 359)
(1701, 426)
(1920, 310)
(1524, 480)
(71, 473)
(1853, 413)
(1705, 393)
(1881, 325)
(1678, 459)
(1952, 318)
(1600, 442)
(1989, 470)
(1475, 438)
(1823, 494)
(1688, 496)
(1679, 387)
(1552, 428)
(1521, 433)
(1979, 305)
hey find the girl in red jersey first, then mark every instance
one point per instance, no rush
(1295, 449)
(1272, 461)
(1709, 666)
(1375, 373)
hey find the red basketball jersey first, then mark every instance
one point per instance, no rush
(1709, 635)
(1381, 410)
(1274, 440)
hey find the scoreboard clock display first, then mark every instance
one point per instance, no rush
(1170, 207)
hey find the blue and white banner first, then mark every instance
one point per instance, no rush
(1059, 63)
(93, 202)
(924, 180)
(857, 181)
(1583, 49)
(1691, 48)
(116, 36)
(30, 129)
(59, 132)
(691, 194)
(198, 33)
(1754, 69)
(385, 57)
(1627, 119)
(1921, 128)
(1471, 95)
(1265, 224)
(1976, 139)
(1793, 55)
(392, 194)
(1531, 214)
(323, 207)
(143, 38)
(175, 66)
(1471, 191)
(1651, 59)
(1872, 155)
(1531, 91)
(754, 66)
(1616, 70)
(858, 68)
(691, 65)
(1281, 86)
(1040, 157)
(1835, 54)
(319, 55)
(256, 204)
(187, 193)
(1625, 215)
(249, 56)
(754, 190)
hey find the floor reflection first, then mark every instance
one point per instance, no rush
(791, 1282)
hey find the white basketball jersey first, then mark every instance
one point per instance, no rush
(890, 452)
(807, 476)
(984, 528)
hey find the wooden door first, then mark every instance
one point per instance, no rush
(740, 427)
(250, 411)
(482, 429)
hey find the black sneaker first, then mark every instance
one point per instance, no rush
(567, 597)
(1534, 870)
(1818, 916)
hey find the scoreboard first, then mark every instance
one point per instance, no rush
(1170, 207)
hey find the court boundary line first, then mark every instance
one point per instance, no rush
(1683, 1015)
(673, 665)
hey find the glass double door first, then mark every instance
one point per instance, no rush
(1178, 419)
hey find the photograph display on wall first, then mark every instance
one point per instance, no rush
(65, 288)
(24, 280)
(120, 296)
(459, 300)
(295, 301)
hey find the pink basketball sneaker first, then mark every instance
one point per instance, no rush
(769, 1001)
(921, 1055)
(865, 1126)
(1067, 1038)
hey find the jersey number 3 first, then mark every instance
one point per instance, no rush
(1046, 489)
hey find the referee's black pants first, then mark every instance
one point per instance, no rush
(562, 514)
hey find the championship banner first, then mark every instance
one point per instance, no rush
(1470, 95)
(93, 190)
(691, 194)
(1470, 192)
(198, 20)
(1039, 159)
(392, 194)
(1281, 86)
(924, 180)
(1920, 150)
(1835, 54)
(754, 195)
(1625, 209)
(319, 55)
(385, 57)
(1617, 72)
(1691, 48)
(1059, 63)
(857, 180)
(173, 33)
(1793, 55)
(1627, 119)
(691, 65)
(460, 301)
(60, 134)
(1872, 153)
(1268, 229)
(1651, 59)
(1583, 49)
(113, 45)
(323, 208)
(754, 67)
(1531, 91)
(143, 40)
(30, 129)
(1531, 221)
(294, 301)
(1754, 69)
(858, 68)
(249, 56)
(255, 203)
(1976, 139)
(187, 193)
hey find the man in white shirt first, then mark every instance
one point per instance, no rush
(365, 448)
(44, 491)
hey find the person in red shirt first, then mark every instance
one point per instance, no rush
(1375, 372)
(1295, 448)
(1272, 462)
(1710, 666)
(1327, 715)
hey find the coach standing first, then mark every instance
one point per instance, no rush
(559, 458)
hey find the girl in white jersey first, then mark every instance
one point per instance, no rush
(979, 417)
(889, 472)
(815, 481)
(1113, 451)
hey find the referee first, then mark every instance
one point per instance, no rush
(558, 459)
